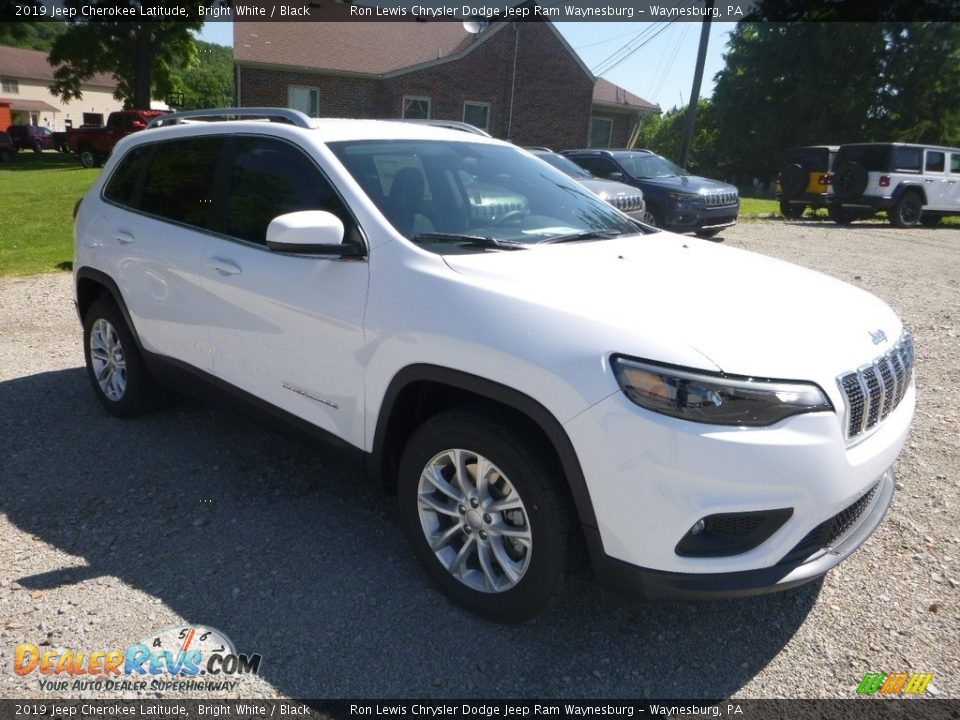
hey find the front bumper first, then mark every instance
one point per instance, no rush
(651, 478)
(660, 585)
(697, 217)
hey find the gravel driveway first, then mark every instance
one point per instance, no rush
(111, 530)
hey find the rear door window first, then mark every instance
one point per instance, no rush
(123, 187)
(179, 184)
(936, 161)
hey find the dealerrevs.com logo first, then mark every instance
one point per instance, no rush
(189, 657)
(894, 683)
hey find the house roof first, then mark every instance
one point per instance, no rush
(33, 65)
(366, 48)
(30, 105)
(613, 96)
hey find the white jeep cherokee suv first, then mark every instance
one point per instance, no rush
(528, 368)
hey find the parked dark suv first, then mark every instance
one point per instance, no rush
(804, 179)
(675, 200)
(913, 183)
(31, 137)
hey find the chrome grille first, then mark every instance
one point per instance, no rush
(874, 390)
(719, 199)
(625, 203)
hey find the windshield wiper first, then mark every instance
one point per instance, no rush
(471, 240)
(585, 235)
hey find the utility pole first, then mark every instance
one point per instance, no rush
(695, 92)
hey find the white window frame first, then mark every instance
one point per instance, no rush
(10, 85)
(309, 89)
(403, 106)
(477, 103)
(601, 118)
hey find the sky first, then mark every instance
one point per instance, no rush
(660, 71)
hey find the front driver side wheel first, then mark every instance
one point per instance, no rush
(485, 513)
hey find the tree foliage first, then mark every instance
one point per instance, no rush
(143, 57)
(30, 35)
(664, 135)
(831, 83)
(208, 82)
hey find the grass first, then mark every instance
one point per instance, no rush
(37, 194)
(755, 207)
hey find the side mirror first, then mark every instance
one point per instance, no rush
(616, 175)
(309, 232)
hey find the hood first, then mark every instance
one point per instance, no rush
(689, 184)
(749, 314)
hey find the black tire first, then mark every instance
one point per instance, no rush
(930, 219)
(850, 180)
(650, 217)
(521, 467)
(139, 392)
(88, 156)
(793, 180)
(792, 211)
(907, 211)
(841, 216)
(6, 155)
(38, 147)
(707, 233)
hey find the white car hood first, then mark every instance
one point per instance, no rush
(749, 314)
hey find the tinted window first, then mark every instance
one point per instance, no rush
(907, 159)
(874, 158)
(646, 165)
(936, 161)
(271, 178)
(814, 159)
(122, 186)
(955, 162)
(565, 165)
(599, 166)
(179, 184)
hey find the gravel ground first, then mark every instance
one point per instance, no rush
(111, 530)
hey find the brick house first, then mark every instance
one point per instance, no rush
(518, 80)
(25, 97)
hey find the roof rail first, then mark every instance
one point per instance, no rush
(273, 114)
(449, 124)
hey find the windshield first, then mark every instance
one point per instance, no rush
(434, 191)
(646, 165)
(565, 165)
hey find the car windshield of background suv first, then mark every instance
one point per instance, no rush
(644, 165)
(475, 191)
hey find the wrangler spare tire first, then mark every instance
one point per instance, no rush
(850, 180)
(793, 180)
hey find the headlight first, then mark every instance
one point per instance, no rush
(717, 399)
(682, 199)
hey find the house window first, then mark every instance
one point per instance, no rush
(601, 132)
(477, 114)
(10, 85)
(304, 99)
(416, 108)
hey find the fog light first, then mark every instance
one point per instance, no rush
(698, 527)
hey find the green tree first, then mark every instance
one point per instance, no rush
(664, 135)
(209, 81)
(142, 56)
(809, 83)
(30, 35)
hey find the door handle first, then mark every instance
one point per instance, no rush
(123, 237)
(224, 267)
(928, 180)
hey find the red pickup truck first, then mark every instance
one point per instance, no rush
(94, 144)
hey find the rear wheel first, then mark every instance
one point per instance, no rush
(38, 147)
(116, 370)
(6, 155)
(791, 211)
(485, 513)
(907, 210)
(88, 156)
